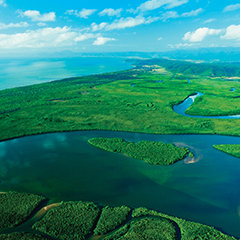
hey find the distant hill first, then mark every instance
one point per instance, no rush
(191, 68)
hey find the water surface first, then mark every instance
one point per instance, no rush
(183, 106)
(22, 72)
(63, 166)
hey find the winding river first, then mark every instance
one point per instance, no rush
(182, 107)
(63, 166)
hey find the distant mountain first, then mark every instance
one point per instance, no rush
(203, 54)
(224, 54)
(206, 54)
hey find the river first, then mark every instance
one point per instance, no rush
(63, 166)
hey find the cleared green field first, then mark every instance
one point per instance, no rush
(155, 153)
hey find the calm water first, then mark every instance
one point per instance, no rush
(63, 166)
(21, 72)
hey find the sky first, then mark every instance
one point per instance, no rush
(28, 26)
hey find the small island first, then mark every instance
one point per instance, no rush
(231, 149)
(155, 153)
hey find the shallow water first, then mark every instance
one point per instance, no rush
(22, 72)
(63, 166)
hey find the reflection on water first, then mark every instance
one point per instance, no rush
(22, 72)
(63, 166)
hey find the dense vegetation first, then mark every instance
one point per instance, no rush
(150, 228)
(232, 149)
(111, 218)
(72, 220)
(109, 102)
(212, 105)
(156, 153)
(21, 236)
(16, 207)
(188, 230)
(86, 220)
(143, 224)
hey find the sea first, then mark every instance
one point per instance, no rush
(23, 72)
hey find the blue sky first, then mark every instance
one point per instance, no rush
(116, 26)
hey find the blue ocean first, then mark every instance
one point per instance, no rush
(22, 72)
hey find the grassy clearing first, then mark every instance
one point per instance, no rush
(155, 153)
(232, 149)
(190, 68)
(15, 208)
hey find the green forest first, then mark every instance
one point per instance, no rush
(87, 220)
(137, 100)
(155, 153)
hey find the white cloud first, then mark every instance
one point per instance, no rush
(123, 23)
(233, 7)
(3, 3)
(169, 15)
(181, 45)
(98, 27)
(84, 13)
(41, 24)
(160, 38)
(192, 13)
(174, 14)
(154, 4)
(84, 36)
(37, 16)
(110, 12)
(43, 38)
(126, 23)
(232, 33)
(102, 40)
(210, 20)
(200, 34)
(14, 25)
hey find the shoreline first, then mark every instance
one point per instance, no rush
(123, 131)
(44, 210)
